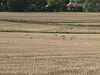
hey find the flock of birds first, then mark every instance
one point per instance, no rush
(62, 36)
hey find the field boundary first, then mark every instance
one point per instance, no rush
(51, 23)
(37, 22)
(27, 31)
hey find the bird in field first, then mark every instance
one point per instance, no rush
(26, 34)
(56, 35)
(63, 37)
(31, 38)
(71, 28)
(72, 37)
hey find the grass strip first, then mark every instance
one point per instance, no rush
(49, 22)
(80, 25)
(27, 31)
(35, 22)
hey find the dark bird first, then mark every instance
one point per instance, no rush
(72, 37)
(31, 38)
(56, 35)
(71, 28)
(63, 37)
(26, 34)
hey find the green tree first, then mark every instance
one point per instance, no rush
(39, 4)
(92, 5)
(3, 5)
(32, 7)
(0, 5)
(98, 5)
(18, 5)
(66, 1)
(80, 1)
(56, 5)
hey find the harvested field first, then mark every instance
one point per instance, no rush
(55, 17)
(46, 51)
(49, 28)
(51, 22)
(49, 54)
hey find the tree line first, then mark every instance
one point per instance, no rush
(50, 5)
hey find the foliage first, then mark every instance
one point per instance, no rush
(92, 5)
(18, 5)
(56, 5)
(49, 5)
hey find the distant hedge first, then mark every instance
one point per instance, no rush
(50, 5)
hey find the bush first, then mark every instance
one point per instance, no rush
(32, 7)
(64, 7)
(80, 9)
(18, 5)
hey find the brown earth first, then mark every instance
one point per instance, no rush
(48, 28)
(55, 17)
(49, 54)
(65, 22)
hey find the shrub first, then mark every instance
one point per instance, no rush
(32, 7)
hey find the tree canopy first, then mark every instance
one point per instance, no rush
(50, 5)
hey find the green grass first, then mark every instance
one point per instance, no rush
(27, 31)
(35, 22)
(80, 25)
(49, 22)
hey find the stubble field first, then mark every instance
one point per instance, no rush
(50, 22)
(49, 53)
